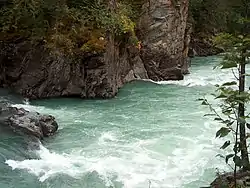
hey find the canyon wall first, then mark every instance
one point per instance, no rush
(31, 70)
(165, 36)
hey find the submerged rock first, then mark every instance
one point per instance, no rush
(29, 123)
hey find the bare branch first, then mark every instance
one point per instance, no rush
(234, 75)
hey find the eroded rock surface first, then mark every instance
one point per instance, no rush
(29, 123)
(32, 71)
(165, 38)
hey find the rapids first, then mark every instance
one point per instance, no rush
(153, 134)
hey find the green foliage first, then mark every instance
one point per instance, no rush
(70, 27)
(232, 95)
(224, 131)
(214, 16)
(26, 18)
(226, 144)
(229, 117)
(208, 15)
(135, 7)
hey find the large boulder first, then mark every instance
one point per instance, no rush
(29, 123)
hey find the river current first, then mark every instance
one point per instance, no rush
(150, 135)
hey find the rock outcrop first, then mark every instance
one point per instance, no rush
(32, 71)
(165, 39)
(29, 123)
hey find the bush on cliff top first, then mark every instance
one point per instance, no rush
(70, 27)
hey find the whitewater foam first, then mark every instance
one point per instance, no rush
(201, 78)
(133, 161)
(29, 107)
(107, 136)
(133, 164)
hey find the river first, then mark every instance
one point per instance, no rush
(150, 135)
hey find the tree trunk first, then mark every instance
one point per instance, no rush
(241, 113)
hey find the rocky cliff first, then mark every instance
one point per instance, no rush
(31, 70)
(165, 35)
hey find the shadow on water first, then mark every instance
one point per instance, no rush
(10, 96)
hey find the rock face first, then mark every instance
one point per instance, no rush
(33, 72)
(30, 123)
(165, 38)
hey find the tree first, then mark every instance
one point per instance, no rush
(233, 95)
(211, 17)
(233, 98)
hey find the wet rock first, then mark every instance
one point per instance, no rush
(32, 71)
(228, 180)
(29, 123)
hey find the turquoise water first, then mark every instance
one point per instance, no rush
(150, 135)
